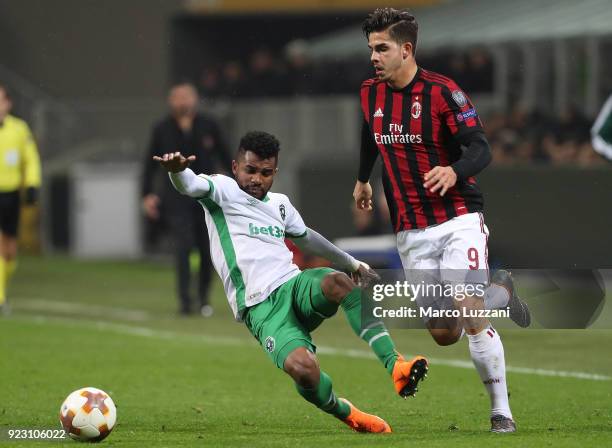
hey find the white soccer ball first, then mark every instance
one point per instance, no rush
(88, 414)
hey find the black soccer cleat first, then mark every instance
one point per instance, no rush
(519, 311)
(501, 423)
(407, 374)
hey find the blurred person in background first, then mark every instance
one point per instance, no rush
(210, 82)
(264, 78)
(300, 71)
(19, 171)
(480, 70)
(187, 130)
(233, 79)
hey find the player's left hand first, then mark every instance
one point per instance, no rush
(364, 275)
(440, 178)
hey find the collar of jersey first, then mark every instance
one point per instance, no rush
(266, 198)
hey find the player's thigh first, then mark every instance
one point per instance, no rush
(9, 214)
(419, 250)
(276, 326)
(310, 304)
(465, 256)
(421, 254)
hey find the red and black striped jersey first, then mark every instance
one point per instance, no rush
(415, 129)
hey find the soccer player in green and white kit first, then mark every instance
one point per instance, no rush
(279, 304)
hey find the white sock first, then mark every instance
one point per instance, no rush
(496, 297)
(487, 354)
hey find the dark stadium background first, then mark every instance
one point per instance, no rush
(91, 77)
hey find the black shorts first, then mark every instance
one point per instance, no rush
(9, 212)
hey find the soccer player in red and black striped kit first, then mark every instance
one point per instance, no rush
(432, 145)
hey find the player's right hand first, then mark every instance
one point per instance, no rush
(174, 162)
(364, 275)
(363, 195)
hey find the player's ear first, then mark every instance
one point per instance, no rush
(234, 167)
(406, 50)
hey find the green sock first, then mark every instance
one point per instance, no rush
(372, 331)
(324, 397)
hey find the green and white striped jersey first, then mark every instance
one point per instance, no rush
(601, 133)
(247, 240)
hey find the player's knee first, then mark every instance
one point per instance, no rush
(336, 286)
(445, 336)
(303, 367)
(469, 307)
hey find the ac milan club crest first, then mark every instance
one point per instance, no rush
(416, 108)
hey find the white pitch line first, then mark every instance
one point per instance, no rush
(125, 329)
(83, 308)
(351, 353)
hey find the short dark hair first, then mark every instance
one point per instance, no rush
(263, 144)
(402, 25)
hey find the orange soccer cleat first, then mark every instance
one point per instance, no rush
(407, 374)
(361, 422)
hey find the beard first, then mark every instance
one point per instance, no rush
(256, 192)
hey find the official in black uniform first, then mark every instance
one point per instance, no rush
(192, 133)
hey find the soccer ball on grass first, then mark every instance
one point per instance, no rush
(88, 414)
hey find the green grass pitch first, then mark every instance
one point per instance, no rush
(205, 382)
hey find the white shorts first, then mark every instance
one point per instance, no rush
(454, 252)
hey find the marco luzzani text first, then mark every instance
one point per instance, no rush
(449, 291)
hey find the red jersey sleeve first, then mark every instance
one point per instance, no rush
(365, 99)
(457, 111)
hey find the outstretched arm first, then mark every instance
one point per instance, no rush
(314, 243)
(183, 179)
(186, 182)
